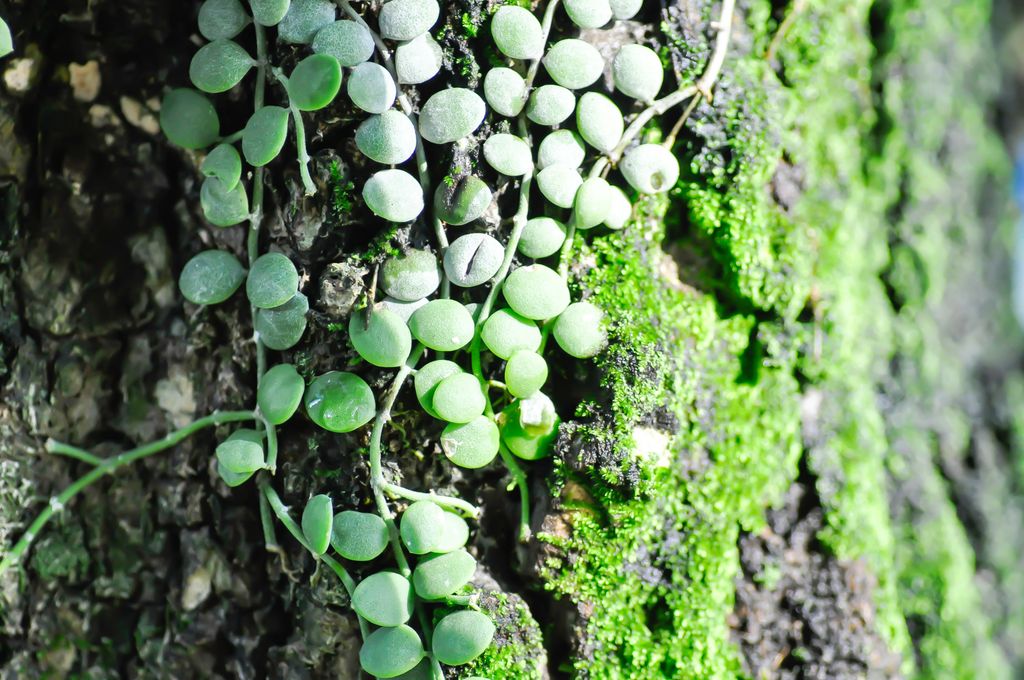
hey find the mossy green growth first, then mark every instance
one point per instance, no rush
(517, 651)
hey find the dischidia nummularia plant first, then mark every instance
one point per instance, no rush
(455, 317)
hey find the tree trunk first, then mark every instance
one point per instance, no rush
(800, 455)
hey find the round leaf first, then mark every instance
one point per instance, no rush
(442, 325)
(411, 276)
(624, 10)
(620, 210)
(340, 402)
(463, 203)
(384, 599)
(394, 195)
(388, 138)
(234, 479)
(189, 119)
(389, 652)
(269, 12)
(599, 121)
(525, 373)
(589, 13)
(508, 154)
(428, 528)
(241, 457)
(541, 237)
(383, 339)
(592, 202)
(346, 41)
(505, 91)
(427, 379)
(219, 66)
(650, 169)
(418, 60)
(459, 398)
(450, 115)
(439, 576)
(402, 309)
(315, 82)
(264, 135)
(371, 87)
(638, 72)
(471, 260)
(561, 146)
(317, 521)
(550, 105)
(536, 292)
(222, 19)
(505, 332)
(273, 280)
(282, 327)
(517, 33)
(471, 445)
(559, 184)
(529, 427)
(304, 19)
(462, 636)
(280, 393)
(579, 330)
(223, 207)
(573, 63)
(211, 277)
(407, 19)
(225, 164)
(359, 536)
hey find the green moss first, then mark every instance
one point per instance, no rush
(518, 649)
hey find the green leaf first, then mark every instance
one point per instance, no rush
(650, 168)
(272, 281)
(599, 121)
(211, 277)
(559, 184)
(241, 457)
(579, 330)
(371, 87)
(463, 203)
(225, 164)
(517, 32)
(280, 393)
(529, 427)
(269, 12)
(384, 599)
(536, 292)
(388, 138)
(508, 154)
(450, 115)
(383, 339)
(589, 13)
(233, 479)
(505, 332)
(439, 576)
(638, 72)
(305, 18)
(264, 135)
(223, 207)
(461, 637)
(189, 119)
(505, 91)
(471, 445)
(348, 42)
(593, 199)
(222, 19)
(573, 63)
(418, 60)
(525, 373)
(340, 402)
(442, 325)
(359, 536)
(459, 398)
(428, 377)
(315, 82)
(282, 327)
(541, 237)
(388, 652)
(394, 195)
(407, 19)
(427, 528)
(561, 146)
(549, 105)
(411, 276)
(6, 41)
(317, 518)
(219, 66)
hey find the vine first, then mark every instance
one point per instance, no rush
(434, 303)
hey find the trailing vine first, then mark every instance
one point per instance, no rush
(486, 366)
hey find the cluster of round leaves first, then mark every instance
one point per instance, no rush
(386, 599)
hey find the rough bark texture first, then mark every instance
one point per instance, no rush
(800, 456)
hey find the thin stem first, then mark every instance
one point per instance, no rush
(519, 479)
(62, 449)
(106, 467)
(300, 135)
(232, 138)
(456, 504)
